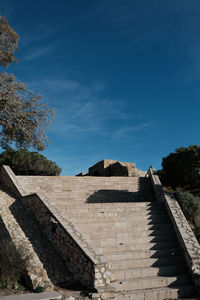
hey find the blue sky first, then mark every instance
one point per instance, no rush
(122, 76)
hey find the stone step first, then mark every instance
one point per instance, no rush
(139, 254)
(75, 188)
(127, 220)
(150, 282)
(103, 214)
(149, 272)
(160, 233)
(147, 262)
(177, 292)
(113, 206)
(133, 240)
(87, 208)
(124, 227)
(141, 246)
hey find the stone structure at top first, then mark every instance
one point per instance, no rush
(108, 167)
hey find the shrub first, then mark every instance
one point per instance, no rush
(197, 232)
(39, 289)
(182, 168)
(189, 203)
(12, 264)
(24, 162)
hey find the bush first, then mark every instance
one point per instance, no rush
(197, 232)
(189, 203)
(39, 289)
(12, 264)
(182, 168)
(24, 162)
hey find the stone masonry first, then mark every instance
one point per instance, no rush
(119, 234)
(109, 167)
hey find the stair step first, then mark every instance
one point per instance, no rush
(140, 246)
(145, 205)
(124, 227)
(133, 240)
(118, 214)
(118, 234)
(87, 208)
(174, 270)
(150, 282)
(177, 292)
(130, 219)
(147, 262)
(138, 254)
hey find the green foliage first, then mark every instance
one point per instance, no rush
(197, 232)
(3, 285)
(24, 117)
(24, 162)
(8, 43)
(12, 264)
(39, 289)
(182, 168)
(189, 203)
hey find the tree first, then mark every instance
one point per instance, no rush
(24, 162)
(24, 117)
(182, 168)
(8, 43)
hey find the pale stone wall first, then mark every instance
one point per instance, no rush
(87, 264)
(183, 231)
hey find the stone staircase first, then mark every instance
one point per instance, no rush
(121, 217)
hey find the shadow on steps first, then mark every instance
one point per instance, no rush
(144, 193)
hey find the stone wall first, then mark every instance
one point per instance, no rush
(86, 263)
(185, 235)
(109, 167)
(35, 274)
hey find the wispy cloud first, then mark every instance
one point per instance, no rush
(85, 110)
(128, 130)
(38, 52)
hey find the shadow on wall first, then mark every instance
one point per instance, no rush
(55, 267)
(144, 192)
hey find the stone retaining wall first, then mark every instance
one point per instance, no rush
(86, 263)
(35, 273)
(184, 233)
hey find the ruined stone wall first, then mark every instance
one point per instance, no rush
(109, 167)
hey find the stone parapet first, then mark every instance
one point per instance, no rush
(35, 275)
(184, 233)
(86, 263)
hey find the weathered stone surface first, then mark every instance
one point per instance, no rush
(119, 215)
(182, 228)
(109, 167)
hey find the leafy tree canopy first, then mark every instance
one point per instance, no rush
(24, 117)
(24, 162)
(182, 168)
(8, 43)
